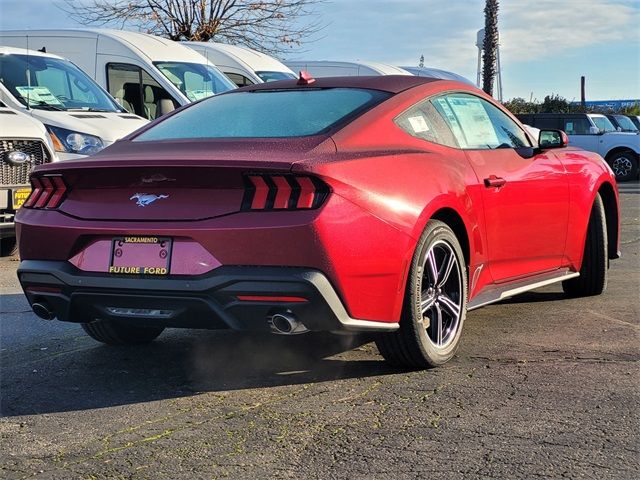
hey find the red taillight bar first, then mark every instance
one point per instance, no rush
(58, 192)
(35, 192)
(48, 192)
(283, 192)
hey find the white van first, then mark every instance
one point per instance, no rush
(242, 65)
(148, 75)
(344, 69)
(80, 116)
(24, 144)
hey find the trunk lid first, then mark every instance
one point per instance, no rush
(173, 181)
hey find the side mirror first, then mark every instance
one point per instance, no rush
(594, 131)
(619, 129)
(552, 139)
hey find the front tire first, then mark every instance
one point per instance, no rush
(435, 303)
(115, 333)
(595, 262)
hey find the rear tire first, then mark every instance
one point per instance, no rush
(114, 333)
(8, 247)
(435, 303)
(595, 262)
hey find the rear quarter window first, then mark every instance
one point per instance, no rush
(423, 121)
(267, 114)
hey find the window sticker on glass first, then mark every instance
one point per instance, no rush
(418, 124)
(452, 120)
(475, 121)
(38, 95)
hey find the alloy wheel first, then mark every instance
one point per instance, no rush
(441, 294)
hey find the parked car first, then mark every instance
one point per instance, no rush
(365, 204)
(242, 65)
(80, 117)
(595, 133)
(343, 69)
(148, 75)
(622, 123)
(437, 73)
(24, 144)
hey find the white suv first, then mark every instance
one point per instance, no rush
(596, 133)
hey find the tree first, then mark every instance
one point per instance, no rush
(519, 106)
(554, 103)
(270, 26)
(490, 45)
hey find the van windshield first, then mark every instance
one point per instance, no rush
(195, 80)
(50, 83)
(267, 114)
(273, 76)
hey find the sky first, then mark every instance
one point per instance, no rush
(546, 45)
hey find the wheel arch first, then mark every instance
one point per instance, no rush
(454, 221)
(612, 216)
(619, 149)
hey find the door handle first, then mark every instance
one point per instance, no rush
(494, 182)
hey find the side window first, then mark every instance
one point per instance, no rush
(479, 125)
(135, 89)
(423, 121)
(576, 126)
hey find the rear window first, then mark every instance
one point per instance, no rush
(267, 114)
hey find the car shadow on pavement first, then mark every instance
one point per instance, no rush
(180, 363)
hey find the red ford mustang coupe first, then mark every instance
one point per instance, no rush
(363, 204)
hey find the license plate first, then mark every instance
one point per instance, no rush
(140, 255)
(20, 196)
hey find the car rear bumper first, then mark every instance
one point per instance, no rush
(230, 297)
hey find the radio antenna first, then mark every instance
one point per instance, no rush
(28, 77)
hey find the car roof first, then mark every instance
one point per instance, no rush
(386, 83)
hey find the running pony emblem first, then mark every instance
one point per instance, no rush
(144, 199)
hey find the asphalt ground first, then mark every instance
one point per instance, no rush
(542, 386)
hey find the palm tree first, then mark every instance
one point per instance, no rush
(490, 45)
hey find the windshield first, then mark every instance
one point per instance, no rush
(267, 114)
(195, 80)
(604, 124)
(626, 124)
(273, 76)
(52, 84)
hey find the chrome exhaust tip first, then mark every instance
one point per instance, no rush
(286, 324)
(43, 311)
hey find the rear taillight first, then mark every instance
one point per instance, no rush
(47, 192)
(283, 192)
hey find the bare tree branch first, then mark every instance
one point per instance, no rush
(270, 26)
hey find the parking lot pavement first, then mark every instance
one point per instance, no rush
(541, 386)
